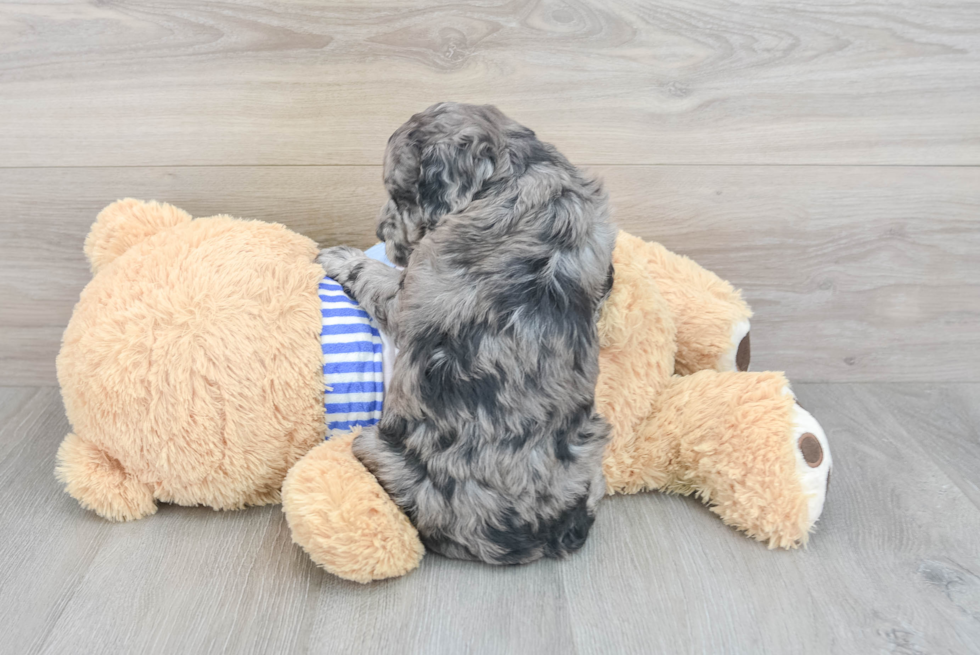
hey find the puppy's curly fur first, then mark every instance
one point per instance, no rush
(489, 438)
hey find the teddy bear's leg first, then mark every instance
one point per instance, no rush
(100, 483)
(344, 519)
(711, 317)
(740, 443)
(637, 339)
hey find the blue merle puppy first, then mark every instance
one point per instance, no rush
(489, 439)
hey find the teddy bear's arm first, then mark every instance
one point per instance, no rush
(100, 483)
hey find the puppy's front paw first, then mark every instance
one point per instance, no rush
(336, 261)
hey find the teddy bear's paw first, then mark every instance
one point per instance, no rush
(736, 357)
(344, 520)
(813, 461)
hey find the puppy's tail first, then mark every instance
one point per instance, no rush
(570, 530)
(521, 543)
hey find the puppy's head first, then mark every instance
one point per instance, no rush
(434, 165)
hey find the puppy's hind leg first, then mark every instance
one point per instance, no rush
(400, 473)
(367, 449)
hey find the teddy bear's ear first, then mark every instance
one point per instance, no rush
(123, 224)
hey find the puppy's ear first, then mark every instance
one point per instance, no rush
(451, 171)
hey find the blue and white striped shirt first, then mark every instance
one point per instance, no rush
(353, 369)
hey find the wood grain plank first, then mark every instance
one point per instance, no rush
(855, 273)
(174, 82)
(893, 566)
(947, 418)
(189, 579)
(12, 401)
(45, 552)
(27, 354)
(448, 606)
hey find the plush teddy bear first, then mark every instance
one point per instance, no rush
(193, 372)
(686, 415)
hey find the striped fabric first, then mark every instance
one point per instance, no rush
(352, 364)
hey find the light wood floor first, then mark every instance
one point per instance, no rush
(825, 157)
(893, 566)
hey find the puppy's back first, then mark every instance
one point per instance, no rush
(489, 437)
